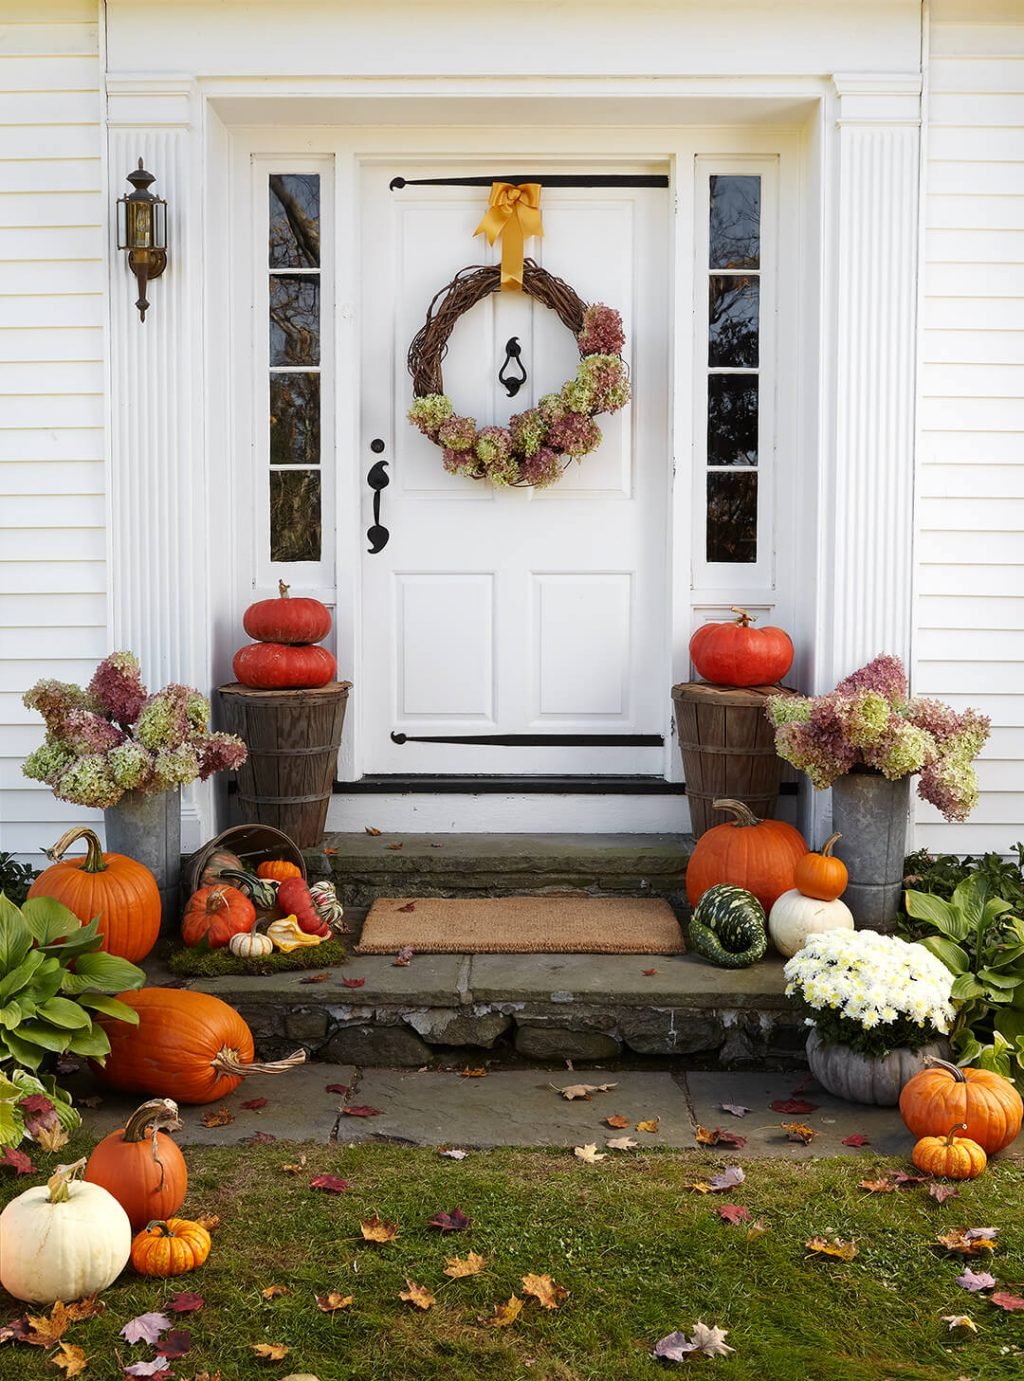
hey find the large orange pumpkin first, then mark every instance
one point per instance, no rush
(735, 654)
(187, 1046)
(214, 914)
(122, 893)
(758, 855)
(141, 1165)
(987, 1103)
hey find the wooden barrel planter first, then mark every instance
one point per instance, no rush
(728, 749)
(293, 738)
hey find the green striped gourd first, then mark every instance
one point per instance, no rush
(728, 927)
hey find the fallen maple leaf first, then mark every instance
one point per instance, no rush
(584, 1091)
(975, 1280)
(882, 1186)
(176, 1343)
(17, 1161)
(588, 1154)
(1004, 1300)
(543, 1289)
(145, 1328)
(295, 1167)
(16, 1331)
(220, 1118)
(651, 1125)
(733, 1213)
(93, 1101)
(793, 1105)
(54, 1138)
(48, 1329)
(418, 1295)
(453, 1153)
(960, 1321)
(622, 1143)
(458, 1267)
(673, 1347)
(942, 1192)
(617, 1121)
(737, 1109)
(716, 1136)
(820, 1246)
(349, 983)
(401, 959)
(409, 906)
(966, 1242)
(396, 847)
(710, 1341)
(504, 1314)
(255, 1104)
(333, 1301)
(272, 1292)
(858, 1139)
(209, 1221)
(361, 1111)
(158, 1369)
(315, 978)
(468, 1073)
(456, 1221)
(270, 1352)
(799, 1131)
(372, 830)
(260, 1138)
(88, 1307)
(376, 1230)
(343, 1089)
(70, 1358)
(729, 1178)
(902, 1180)
(330, 1184)
(757, 1230)
(648, 973)
(185, 1302)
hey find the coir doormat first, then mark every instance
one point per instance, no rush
(521, 925)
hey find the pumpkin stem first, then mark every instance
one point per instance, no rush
(158, 1113)
(744, 815)
(227, 1062)
(960, 1127)
(745, 619)
(93, 862)
(162, 1227)
(956, 1072)
(283, 589)
(830, 842)
(59, 1183)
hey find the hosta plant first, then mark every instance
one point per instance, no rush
(981, 942)
(35, 1107)
(46, 1006)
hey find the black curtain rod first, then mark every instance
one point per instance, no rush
(547, 180)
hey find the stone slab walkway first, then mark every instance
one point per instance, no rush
(519, 1107)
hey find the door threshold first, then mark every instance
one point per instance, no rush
(472, 785)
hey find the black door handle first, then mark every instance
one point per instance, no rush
(377, 479)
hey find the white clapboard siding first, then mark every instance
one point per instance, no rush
(53, 608)
(969, 642)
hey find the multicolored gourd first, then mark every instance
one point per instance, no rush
(219, 862)
(821, 875)
(262, 892)
(760, 855)
(214, 914)
(286, 935)
(728, 927)
(736, 654)
(794, 916)
(954, 1157)
(987, 1104)
(295, 899)
(328, 907)
(170, 1247)
(141, 1164)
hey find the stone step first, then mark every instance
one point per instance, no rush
(365, 866)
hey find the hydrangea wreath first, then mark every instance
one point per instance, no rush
(538, 444)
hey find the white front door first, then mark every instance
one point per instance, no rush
(514, 631)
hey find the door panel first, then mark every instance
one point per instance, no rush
(514, 612)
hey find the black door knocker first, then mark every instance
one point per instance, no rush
(377, 479)
(513, 351)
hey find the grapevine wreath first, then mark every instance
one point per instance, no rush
(538, 444)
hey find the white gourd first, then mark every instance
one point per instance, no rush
(794, 917)
(251, 945)
(62, 1240)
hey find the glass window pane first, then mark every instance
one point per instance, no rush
(294, 319)
(733, 321)
(295, 515)
(732, 516)
(735, 223)
(295, 419)
(294, 220)
(732, 419)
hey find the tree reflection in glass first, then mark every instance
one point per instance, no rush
(733, 305)
(732, 419)
(295, 515)
(735, 241)
(294, 220)
(732, 516)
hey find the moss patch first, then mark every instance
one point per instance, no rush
(218, 963)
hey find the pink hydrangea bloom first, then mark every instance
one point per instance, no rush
(576, 434)
(602, 332)
(541, 469)
(116, 688)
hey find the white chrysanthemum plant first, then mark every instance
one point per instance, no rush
(871, 992)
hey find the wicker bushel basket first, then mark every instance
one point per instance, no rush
(253, 844)
(728, 749)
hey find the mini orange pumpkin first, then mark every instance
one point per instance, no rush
(170, 1247)
(822, 876)
(277, 869)
(943, 1094)
(758, 855)
(954, 1157)
(214, 914)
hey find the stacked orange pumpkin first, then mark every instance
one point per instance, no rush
(285, 655)
(737, 654)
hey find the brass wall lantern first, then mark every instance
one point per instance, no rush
(142, 231)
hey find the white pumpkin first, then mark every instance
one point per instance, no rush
(62, 1240)
(251, 945)
(794, 917)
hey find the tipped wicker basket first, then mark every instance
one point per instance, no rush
(253, 844)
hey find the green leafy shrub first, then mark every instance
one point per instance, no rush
(16, 878)
(940, 874)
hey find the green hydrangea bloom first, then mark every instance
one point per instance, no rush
(87, 782)
(130, 765)
(48, 761)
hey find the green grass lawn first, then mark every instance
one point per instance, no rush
(640, 1254)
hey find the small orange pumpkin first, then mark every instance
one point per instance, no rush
(822, 876)
(954, 1157)
(758, 855)
(277, 869)
(117, 889)
(170, 1247)
(214, 914)
(942, 1094)
(140, 1164)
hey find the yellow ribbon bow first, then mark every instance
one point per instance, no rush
(513, 213)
